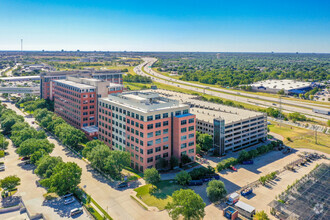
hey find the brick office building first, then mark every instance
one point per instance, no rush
(148, 126)
(75, 100)
(46, 79)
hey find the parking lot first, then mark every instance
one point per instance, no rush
(31, 194)
(245, 174)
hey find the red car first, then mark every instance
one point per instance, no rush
(25, 158)
(233, 168)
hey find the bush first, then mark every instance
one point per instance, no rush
(201, 172)
(227, 163)
(216, 190)
(183, 178)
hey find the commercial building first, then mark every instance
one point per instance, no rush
(290, 87)
(232, 128)
(75, 100)
(46, 87)
(148, 126)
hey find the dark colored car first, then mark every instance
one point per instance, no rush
(25, 158)
(195, 183)
(122, 185)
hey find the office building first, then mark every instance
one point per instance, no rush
(148, 126)
(46, 78)
(75, 100)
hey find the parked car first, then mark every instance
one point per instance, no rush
(76, 211)
(67, 195)
(247, 162)
(246, 191)
(122, 185)
(233, 168)
(2, 167)
(25, 158)
(69, 200)
(195, 182)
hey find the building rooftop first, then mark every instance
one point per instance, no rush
(282, 84)
(18, 78)
(75, 84)
(207, 111)
(143, 101)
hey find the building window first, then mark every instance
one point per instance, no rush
(150, 159)
(165, 123)
(150, 151)
(165, 139)
(183, 130)
(150, 143)
(186, 111)
(165, 155)
(191, 128)
(191, 151)
(165, 147)
(158, 141)
(177, 113)
(184, 145)
(165, 115)
(191, 120)
(158, 133)
(191, 135)
(151, 126)
(191, 143)
(157, 116)
(183, 122)
(158, 125)
(157, 149)
(165, 131)
(150, 135)
(141, 151)
(157, 157)
(184, 137)
(150, 118)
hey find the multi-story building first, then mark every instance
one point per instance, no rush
(148, 126)
(46, 78)
(232, 128)
(75, 100)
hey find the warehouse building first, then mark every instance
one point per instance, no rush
(232, 128)
(290, 87)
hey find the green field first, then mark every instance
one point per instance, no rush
(159, 195)
(302, 138)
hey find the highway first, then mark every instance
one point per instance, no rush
(288, 106)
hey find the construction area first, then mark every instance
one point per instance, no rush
(308, 199)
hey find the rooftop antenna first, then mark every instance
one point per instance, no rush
(21, 49)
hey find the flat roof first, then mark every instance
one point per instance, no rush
(74, 84)
(285, 84)
(228, 113)
(90, 129)
(18, 78)
(244, 206)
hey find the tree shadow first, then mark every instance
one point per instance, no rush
(60, 208)
(10, 201)
(25, 166)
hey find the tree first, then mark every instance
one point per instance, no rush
(186, 203)
(46, 165)
(183, 178)
(65, 178)
(98, 156)
(151, 176)
(32, 145)
(36, 156)
(205, 141)
(161, 163)
(281, 92)
(174, 162)
(185, 159)
(10, 182)
(198, 149)
(216, 190)
(116, 162)
(89, 146)
(243, 155)
(262, 215)
(3, 143)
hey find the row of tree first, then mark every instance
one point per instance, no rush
(110, 162)
(136, 78)
(56, 175)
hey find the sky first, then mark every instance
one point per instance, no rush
(171, 25)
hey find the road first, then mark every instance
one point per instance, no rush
(287, 106)
(117, 202)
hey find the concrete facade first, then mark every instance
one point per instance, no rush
(148, 126)
(46, 85)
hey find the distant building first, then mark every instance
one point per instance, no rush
(290, 87)
(75, 100)
(46, 87)
(148, 126)
(218, 56)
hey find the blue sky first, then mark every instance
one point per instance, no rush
(181, 25)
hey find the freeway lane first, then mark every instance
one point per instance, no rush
(251, 99)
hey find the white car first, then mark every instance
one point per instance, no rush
(2, 167)
(69, 201)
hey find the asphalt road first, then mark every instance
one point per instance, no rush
(263, 101)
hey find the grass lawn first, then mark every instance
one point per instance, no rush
(302, 138)
(158, 196)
